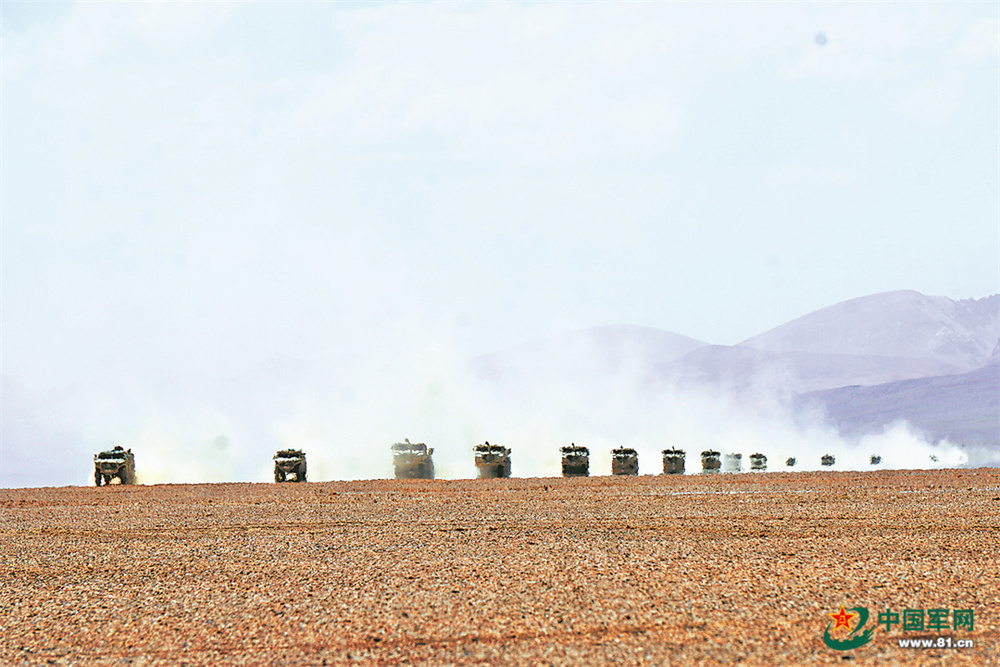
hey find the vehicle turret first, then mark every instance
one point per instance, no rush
(734, 463)
(289, 466)
(710, 462)
(624, 461)
(412, 460)
(116, 462)
(673, 461)
(575, 461)
(492, 461)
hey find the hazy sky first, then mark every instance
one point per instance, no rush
(202, 186)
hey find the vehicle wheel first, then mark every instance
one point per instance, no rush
(98, 478)
(279, 476)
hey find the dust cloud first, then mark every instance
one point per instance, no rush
(346, 416)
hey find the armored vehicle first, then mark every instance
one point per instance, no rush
(734, 463)
(673, 462)
(758, 462)
(575, 461)
(710, 462)
(290, 462)
(624, 461)
(492, 461)
(790, 461)
(412, 460)
(115, 462)
(876, 460)
(828, 460)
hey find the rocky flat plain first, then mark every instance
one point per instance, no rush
(711, 570)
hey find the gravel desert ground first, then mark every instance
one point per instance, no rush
(718, 569)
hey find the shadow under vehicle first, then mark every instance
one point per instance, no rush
(575, 461)
(828, 460)
(758, 462)
(710, 462)
(290, 463)
(115, 462)
(412, 460)
(673, 461)
(624, 461)
(492, 461)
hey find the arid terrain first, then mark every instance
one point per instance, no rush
(651, 570)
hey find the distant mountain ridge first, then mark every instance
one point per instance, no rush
(867, 341)
(864, 363)
(894, 324)
(963, 408)
(741, 367)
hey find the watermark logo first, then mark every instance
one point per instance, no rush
(848, 629)
(843, 620)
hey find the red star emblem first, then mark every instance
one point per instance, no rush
(843, 619)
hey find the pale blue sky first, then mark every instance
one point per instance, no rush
(198, 187)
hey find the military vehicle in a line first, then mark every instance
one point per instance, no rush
(790, 461)
(734, 463)
(575, 461)
(828, 460)
(290, 463)
(758, 462)
(115, 462)
(673, 461)
(412, 460)
(710, 462)
(492, 461)
(875, 460)
(624, 461)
